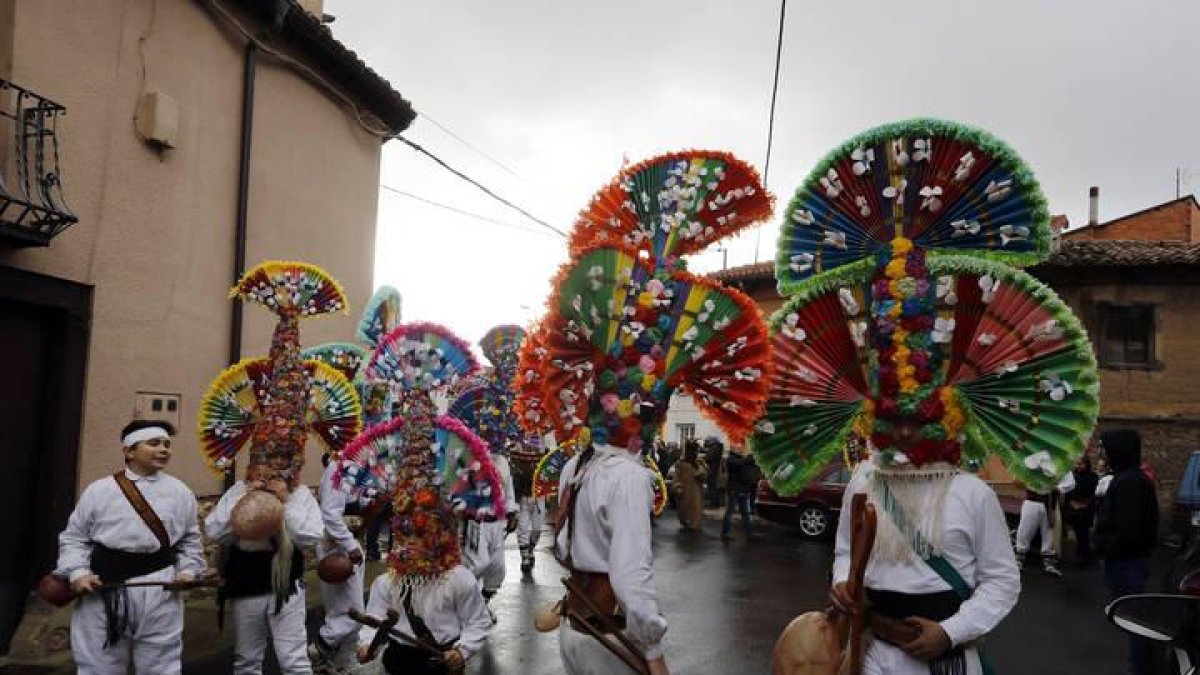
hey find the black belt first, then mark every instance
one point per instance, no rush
(933, 606)
(115, 566)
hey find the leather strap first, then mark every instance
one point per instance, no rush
(138, 501)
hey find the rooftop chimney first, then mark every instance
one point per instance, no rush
(1093, 206)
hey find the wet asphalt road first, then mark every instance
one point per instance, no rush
(727, 602)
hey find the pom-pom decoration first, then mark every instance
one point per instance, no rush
(528, 385)
(380, 316)
(234, 406)
(660, 485)
(673, 205)
(421, 357)
(346, 357)
(291, 289)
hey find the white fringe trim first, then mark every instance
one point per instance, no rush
(917, 497)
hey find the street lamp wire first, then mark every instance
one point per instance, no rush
(461, 212)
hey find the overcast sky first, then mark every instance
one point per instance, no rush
(1089, 92)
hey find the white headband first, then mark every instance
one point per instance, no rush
(134, 437)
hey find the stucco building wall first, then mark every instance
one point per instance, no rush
(156, 231)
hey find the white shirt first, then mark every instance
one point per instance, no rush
(333, 511)
(612, 535)
(1102, 484)
(104, 516)
(975, 542)
(511, 505)
(451, 607)
(301, 517)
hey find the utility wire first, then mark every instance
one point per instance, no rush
(461, 212)
(479, 185)
(771, 120)
(460, 139)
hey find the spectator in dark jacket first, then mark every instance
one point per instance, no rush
(1127, 529)
(1079, 508)
(743, 481)
(713, 450)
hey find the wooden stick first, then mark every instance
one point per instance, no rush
(633, 660)
(387, 628)
(634, 653)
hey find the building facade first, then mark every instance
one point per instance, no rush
(149, 152)
(1135, 284)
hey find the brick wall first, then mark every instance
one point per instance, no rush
(1174, 221)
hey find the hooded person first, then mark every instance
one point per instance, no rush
(627, 325)
(265, 521)
(1127, 528)
(436, 473)
(908, 327)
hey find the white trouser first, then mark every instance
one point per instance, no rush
(154, 634)
(583, 654)
(484, 553)
(1033, 520)
(884, 659)
(340, 631)
(530, 521)
(255, 622)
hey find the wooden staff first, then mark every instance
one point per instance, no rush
(863, 521)
(385, 628)
(630, 655)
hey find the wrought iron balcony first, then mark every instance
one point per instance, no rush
(33, 209)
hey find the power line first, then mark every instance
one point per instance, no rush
(462, 140)
(479, 185)
(461, 212)
(771, 120)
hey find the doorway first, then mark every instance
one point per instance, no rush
(43, 337)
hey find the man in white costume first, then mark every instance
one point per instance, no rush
(1038, 512)
(106, 542)
(483, 552)
(531, 517)
(335, 642)
(605, 532)
(264, 579)
(959, 518)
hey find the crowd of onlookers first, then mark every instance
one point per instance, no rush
(703, 475)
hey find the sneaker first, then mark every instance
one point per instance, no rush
(1052, 570)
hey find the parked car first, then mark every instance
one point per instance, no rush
(1185, 512)
(815, 510)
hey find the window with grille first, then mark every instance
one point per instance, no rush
(1125, 335)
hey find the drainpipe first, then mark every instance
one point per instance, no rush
(243, 201)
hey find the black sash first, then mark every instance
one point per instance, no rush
(115, 566)
(932, 606)
(248, 573)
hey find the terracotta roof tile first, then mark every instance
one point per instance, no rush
(1071, 253)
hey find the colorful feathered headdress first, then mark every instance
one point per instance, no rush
(909, 326)
(627, 325)
(273, 404)
(433, 469)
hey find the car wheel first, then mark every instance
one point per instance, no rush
(814, 521)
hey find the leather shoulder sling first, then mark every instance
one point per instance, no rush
(146, 512)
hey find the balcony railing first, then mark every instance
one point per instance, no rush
(33, 209)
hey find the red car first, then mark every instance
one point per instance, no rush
(815, 510)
